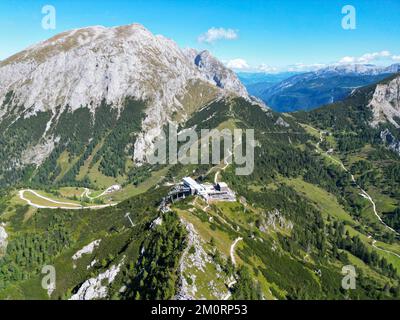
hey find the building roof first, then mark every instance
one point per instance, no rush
(193, 184)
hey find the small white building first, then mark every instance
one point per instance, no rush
(219, 192)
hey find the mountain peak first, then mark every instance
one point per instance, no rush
(90, 37)
(215, 71)
(83, 68)
(104, 63)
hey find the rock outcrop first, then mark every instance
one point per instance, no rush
(97, 288)
(3, 240)
(86, 249)
(385, 103)
(390, 141)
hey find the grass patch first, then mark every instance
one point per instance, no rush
(324, 200)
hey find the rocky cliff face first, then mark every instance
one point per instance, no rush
(385, 103)
(216, 72)
(3, 240)
(85, 67)
(390, 141)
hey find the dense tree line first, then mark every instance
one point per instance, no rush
(118, 144)
(342, 240)
(246, 288)
(155, 276)
(392, 219)
(29, 251)
(78, 133)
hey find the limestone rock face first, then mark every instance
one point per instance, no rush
(390, 141)
(216, 72)
(3, 240)
(385, 103)
(97, 288)
(86, 67)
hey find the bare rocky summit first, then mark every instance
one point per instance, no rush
(85, 67)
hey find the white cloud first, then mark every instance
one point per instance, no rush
(396, 58)
(266, 68)
(369, 57)
(238, 64)
(215, 34)
(346, 60)
(365, 58)
(300, 67)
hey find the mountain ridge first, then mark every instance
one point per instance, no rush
(83, 70)
(310, 90)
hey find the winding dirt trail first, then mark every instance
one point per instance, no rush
(384, 250)
(232, 254)
(86, 193)
(63, 205)
(232, 250)
(363, 194)
(224, 168)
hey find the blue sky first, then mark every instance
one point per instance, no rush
(248, 34)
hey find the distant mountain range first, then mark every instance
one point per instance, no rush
(287, 92)
(258, 82)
